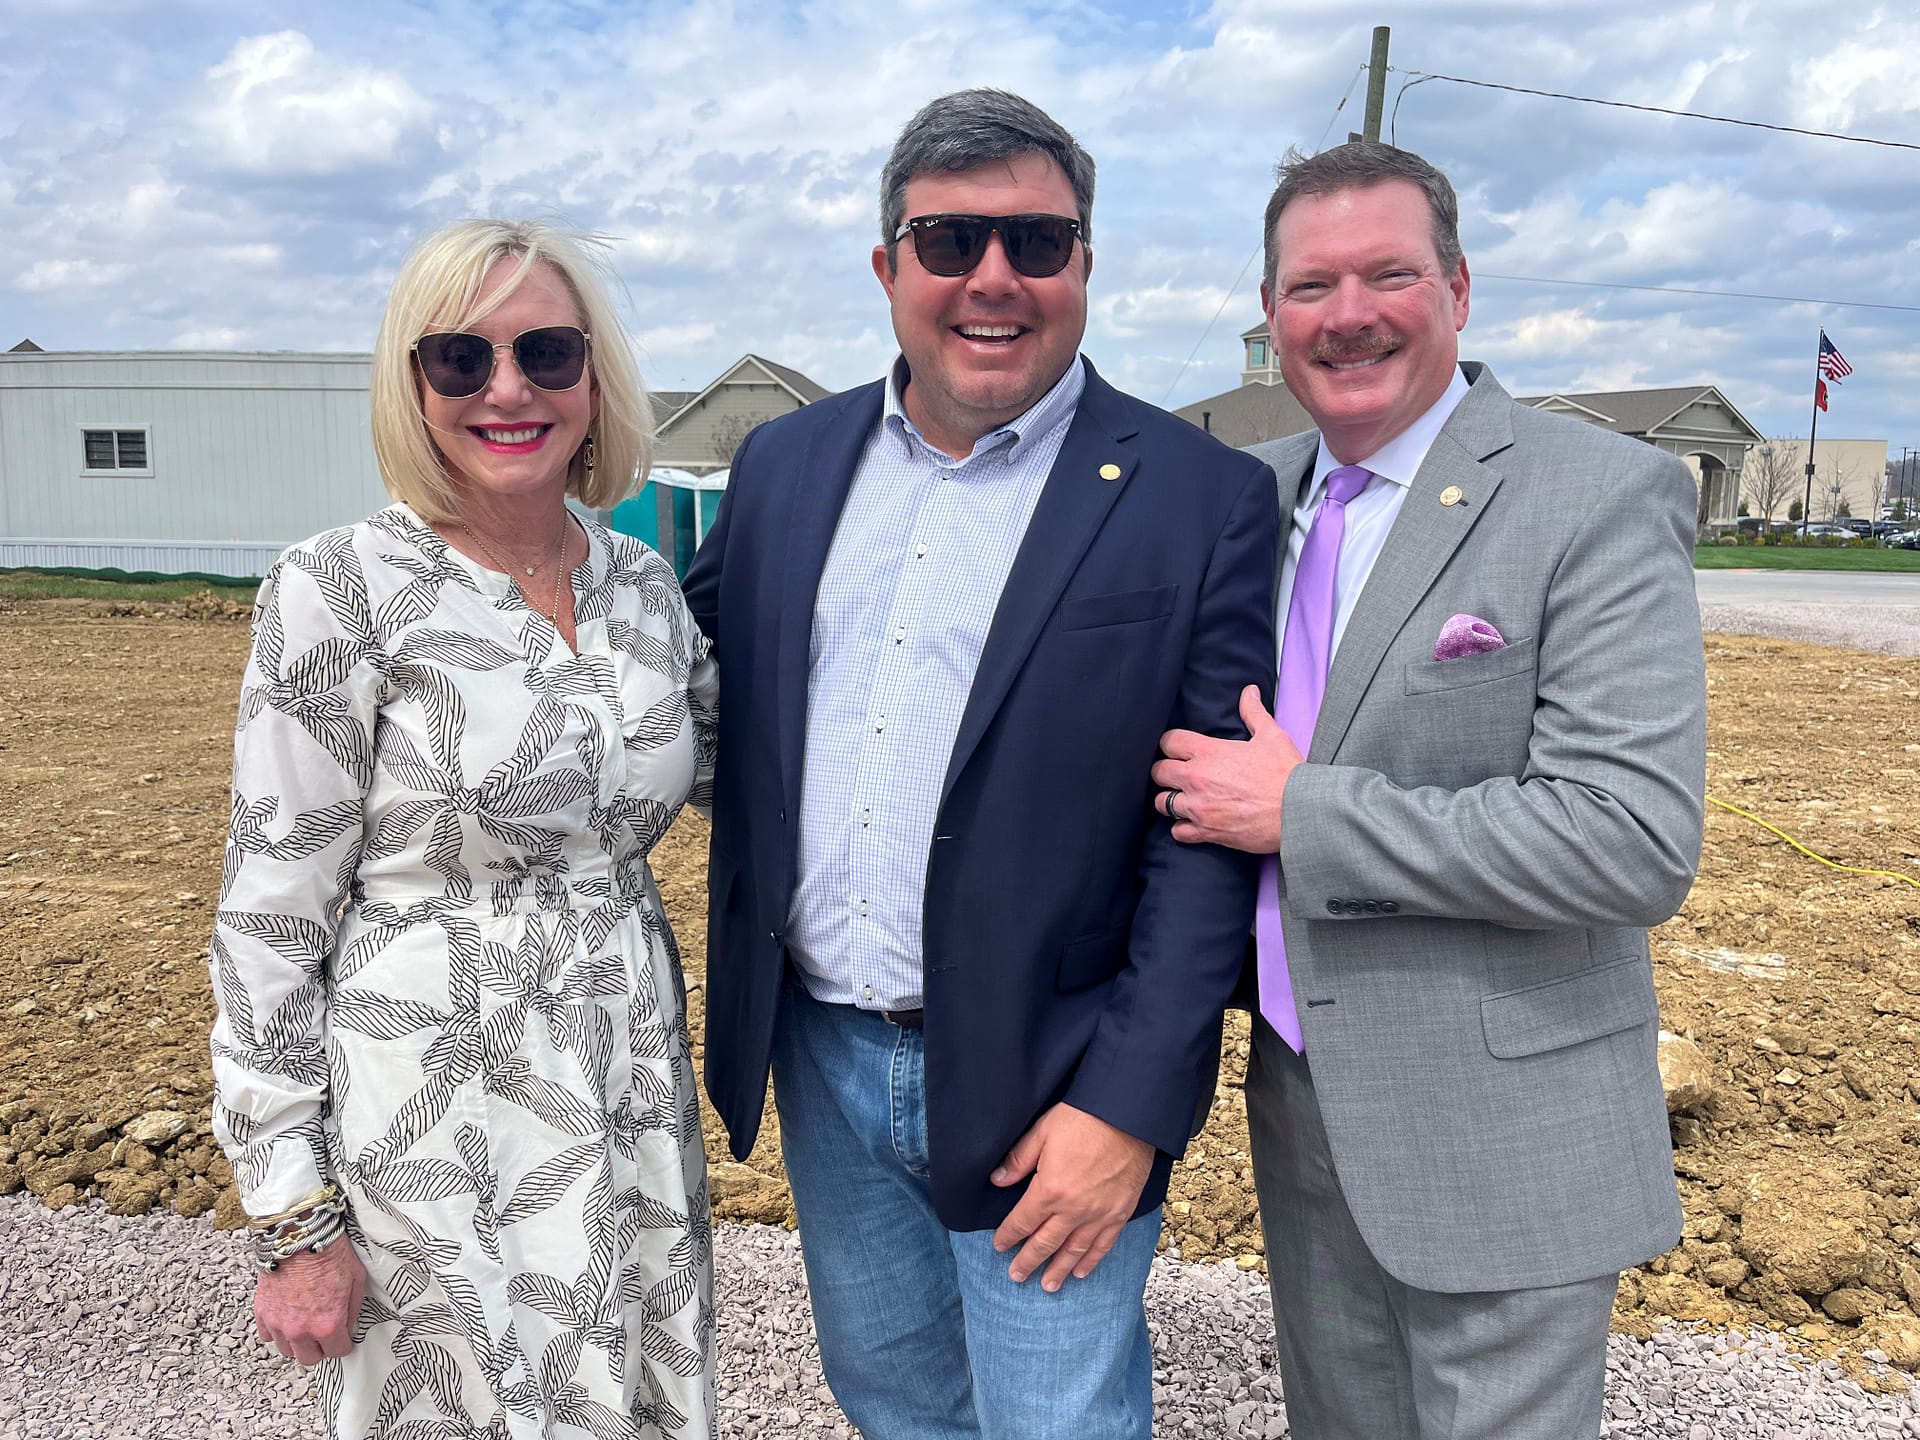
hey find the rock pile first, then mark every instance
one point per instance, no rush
(133, 1162)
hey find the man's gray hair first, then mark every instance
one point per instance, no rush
(1356, 165)
(976, 127)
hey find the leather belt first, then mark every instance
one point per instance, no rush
(906, 1019)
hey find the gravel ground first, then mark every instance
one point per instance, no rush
(138, 1329)
(1890, 629)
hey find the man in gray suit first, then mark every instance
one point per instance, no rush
(1459, 1138)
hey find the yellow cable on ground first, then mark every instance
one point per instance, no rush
(1831, 864)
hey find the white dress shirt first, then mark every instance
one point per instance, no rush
(1370, 514)
(920, 555)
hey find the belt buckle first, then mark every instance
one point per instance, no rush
(906, 1019)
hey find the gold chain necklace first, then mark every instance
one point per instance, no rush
(560, 571)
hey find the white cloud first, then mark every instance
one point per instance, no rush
(280, 106)
(258, 256)
(69, 275)
(675, 339)
(1130, 313)
(1865, 74)
(1553, 332)
(220, 339)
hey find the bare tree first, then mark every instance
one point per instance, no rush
(1830, 487)
(1772, 475)
(1876, 491)
(728, 433)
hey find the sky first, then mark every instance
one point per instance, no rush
(244, 174)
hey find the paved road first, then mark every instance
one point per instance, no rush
(1863, 611)
(1818, 587)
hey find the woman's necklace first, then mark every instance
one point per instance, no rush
(560, 571)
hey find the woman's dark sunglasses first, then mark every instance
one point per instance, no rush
(458, 364)
(1037, 245)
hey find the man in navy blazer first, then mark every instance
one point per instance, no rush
(954, 611)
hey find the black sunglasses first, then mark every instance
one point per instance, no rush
(458, 364)
(1037, 245)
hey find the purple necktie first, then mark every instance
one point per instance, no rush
(1304, 656)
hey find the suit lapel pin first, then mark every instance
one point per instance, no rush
(1109, 471)
(1451, 495)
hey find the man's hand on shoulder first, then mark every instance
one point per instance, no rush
(1227, 792)
(1087, 1177)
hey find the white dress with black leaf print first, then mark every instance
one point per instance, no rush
(445, 981)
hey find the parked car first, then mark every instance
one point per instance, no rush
(1908, 540)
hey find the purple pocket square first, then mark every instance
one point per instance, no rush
(1466, 635)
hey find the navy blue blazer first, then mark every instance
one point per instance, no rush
(1073, 949)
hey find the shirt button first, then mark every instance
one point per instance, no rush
(862, 907)
(880, 724)
(900, 635)
(920, 552)
(867, 991)
(866, 817)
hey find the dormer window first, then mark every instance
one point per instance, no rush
(1256, 354)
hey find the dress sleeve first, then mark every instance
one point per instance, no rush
(302, 764)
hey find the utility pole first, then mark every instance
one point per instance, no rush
(1376, 87)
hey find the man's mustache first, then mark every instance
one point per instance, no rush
(1359, 347)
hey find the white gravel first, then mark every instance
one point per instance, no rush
(1890, 629)
(138, 1329)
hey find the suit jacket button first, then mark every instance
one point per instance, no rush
(1372, 907)
(1389, 907)
(1353, 907)
(1335, 907)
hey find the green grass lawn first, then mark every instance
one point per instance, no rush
(36, 585)
(1793, 557)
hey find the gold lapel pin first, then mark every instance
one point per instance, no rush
(1109, 471)
(1451, 495)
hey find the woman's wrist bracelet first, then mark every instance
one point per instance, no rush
(316, 1222)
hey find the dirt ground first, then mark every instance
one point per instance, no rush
(1797, 1151)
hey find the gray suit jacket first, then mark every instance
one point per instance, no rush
(1474, 851)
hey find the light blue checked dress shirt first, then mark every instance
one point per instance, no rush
(919, 558)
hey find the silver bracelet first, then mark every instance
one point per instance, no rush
(316, 1223)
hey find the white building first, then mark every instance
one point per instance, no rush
(179, 461)
(199, 462)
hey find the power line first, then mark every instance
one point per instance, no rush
(1233, 289)
(1689, 290)
(1655, 110)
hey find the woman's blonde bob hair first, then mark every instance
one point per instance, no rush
(438, 288)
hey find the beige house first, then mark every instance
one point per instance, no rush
(1849, 477)
(703, 429)
(1695, 422)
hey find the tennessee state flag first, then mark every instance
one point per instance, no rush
(1820, 393)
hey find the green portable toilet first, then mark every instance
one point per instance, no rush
(672, 512)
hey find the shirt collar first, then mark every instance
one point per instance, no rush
(1399, 460)
(1019, 434)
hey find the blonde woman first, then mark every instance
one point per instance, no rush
(451, 1062)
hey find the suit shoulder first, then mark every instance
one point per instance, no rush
(1164, 431)
(811, 416)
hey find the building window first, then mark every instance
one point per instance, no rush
(1256, 354)
(114, 451)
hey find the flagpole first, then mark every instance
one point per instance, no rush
(1806, 505)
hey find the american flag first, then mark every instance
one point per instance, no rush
(1833, 365)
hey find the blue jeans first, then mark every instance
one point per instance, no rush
(922, 1334)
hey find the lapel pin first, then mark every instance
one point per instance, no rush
(1109, 471)
(1451, 495)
